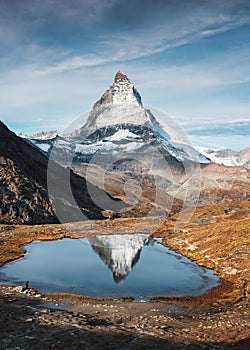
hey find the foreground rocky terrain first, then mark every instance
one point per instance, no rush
(217, 237)
(30, 322)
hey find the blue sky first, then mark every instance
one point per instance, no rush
(189, 58)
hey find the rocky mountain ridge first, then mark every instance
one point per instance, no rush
(24, 177)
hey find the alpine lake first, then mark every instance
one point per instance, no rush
(137, 266)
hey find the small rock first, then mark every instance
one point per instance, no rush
(29, 337)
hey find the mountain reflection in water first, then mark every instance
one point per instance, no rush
(120, 252)
(68, 266)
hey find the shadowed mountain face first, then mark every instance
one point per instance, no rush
(23, 186)
(119, 253)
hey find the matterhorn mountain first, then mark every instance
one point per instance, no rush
(119, 123)
(120, 253)
(121, 106)
(120, 132)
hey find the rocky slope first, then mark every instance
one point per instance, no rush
(23, 186)
(209, 184)
(21, 199)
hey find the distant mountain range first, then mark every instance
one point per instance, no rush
(228, 157)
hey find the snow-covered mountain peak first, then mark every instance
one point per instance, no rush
(121, 77)
(43, 135)
(119, 124)
(122, 91)
(120, 104)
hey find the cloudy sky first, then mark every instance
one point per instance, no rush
(188, 58)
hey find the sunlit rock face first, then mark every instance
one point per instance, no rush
(120, 104)
(120, 253)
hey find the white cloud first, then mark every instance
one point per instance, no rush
(122, 47)
(77, 62)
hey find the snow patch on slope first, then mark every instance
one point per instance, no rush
(106, 147)
(122, 134)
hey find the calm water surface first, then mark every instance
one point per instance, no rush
(118, 265)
